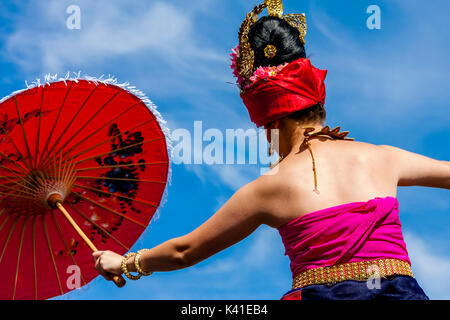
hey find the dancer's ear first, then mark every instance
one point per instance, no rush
(276, 124)
(272, 125)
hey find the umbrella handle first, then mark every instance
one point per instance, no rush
(118, 280)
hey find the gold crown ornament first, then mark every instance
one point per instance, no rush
(246, 57)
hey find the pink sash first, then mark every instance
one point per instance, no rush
(353, 232)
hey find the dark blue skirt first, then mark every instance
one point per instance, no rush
(394, 287)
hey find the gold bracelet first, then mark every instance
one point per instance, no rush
(125, 268)
(138, 267)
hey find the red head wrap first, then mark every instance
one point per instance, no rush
(298, 86)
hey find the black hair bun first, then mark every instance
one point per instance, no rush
(277, 32)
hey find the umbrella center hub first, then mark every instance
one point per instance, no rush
(49, 188)
(41, 189)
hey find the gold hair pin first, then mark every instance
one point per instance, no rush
(270, 51)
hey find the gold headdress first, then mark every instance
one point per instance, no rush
(246, 56)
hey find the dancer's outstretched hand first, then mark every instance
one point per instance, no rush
(108, 263)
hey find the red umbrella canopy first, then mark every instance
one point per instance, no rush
(100, 149)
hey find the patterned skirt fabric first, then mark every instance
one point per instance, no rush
(394, 287)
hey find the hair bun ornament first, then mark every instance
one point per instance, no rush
(246, 56)
(270, 51)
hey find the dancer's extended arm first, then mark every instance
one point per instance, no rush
(417, 170)
(236, 220)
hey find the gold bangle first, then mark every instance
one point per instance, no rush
(125, 268)
(138, 267)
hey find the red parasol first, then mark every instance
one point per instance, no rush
(83, 166)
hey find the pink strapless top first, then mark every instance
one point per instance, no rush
(351, 232)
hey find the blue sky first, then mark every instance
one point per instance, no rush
(388, 86)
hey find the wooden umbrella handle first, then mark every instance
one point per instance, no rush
(118, 280)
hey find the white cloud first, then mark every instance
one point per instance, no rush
(234, 176)
(265, 244)
(109, 29)
(431, 269)
(259, 257)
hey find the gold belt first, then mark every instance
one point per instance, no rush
(359, 271)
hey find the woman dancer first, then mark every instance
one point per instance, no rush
(339, 222)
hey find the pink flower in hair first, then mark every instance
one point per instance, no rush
(264, 73)
(260, 73)
(234, 56)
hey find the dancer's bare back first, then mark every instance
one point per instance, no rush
(347, 172)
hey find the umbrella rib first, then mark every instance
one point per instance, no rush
(58, 173)
(66, 171)
(55, 169)
(70, 176)
(8, 238)
(17, 149)
(109, 139)
(81, 129)
(120, 149)
(23, 170)
(66, 246)
(16, 173)
(121, 179)
(39, 127)
(116, 195)
(23, 131)
(56, 120)
(121, 166)
(4, 221)
(21, 196)
(21, 187)
(18, 183)
(110, 210)
(9, 180)
(99, 226)
(34, 259)
(7, 177)
(18, 257)
(6, 196)
(32, 183)
(109, 122)
(51, 253)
